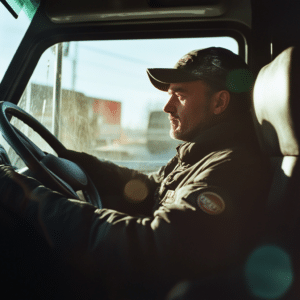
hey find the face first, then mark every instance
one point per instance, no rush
(190, 109)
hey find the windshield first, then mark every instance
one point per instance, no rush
(13, 30)
(96, 97)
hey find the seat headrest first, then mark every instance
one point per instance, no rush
(276, 101)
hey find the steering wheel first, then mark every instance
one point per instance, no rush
(56, 173)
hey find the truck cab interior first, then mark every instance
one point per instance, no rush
(61, 59)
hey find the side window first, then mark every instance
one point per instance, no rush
(95, 96)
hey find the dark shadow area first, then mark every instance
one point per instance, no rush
(30, 269)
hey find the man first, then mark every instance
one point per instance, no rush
(198, 215)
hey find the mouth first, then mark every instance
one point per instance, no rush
(172, 119)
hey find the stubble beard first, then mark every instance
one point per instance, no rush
(188, 134)
(175, 130)
(178, 133)
(181, 135)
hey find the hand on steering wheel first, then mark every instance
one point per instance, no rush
(56, 173)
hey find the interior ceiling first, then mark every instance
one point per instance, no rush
(74, 11)
(91, 7)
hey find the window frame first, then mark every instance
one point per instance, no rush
(38, 38)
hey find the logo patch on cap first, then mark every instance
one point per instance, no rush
(211, 203)
(187, 59)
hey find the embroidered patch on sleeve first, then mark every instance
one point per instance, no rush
(211, 203)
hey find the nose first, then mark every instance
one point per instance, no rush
(170, 107)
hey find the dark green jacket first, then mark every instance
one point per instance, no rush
(199, 214)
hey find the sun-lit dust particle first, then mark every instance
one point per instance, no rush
(135, 190)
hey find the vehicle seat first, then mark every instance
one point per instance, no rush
(276, 104)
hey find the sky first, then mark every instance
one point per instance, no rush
(113, 70)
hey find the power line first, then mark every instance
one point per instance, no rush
(112, 69)
(123, 57)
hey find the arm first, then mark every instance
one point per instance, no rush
(118, 185)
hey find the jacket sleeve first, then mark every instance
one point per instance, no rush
(118, 185)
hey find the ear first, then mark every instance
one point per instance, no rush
(220, 102)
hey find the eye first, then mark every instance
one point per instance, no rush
(181, 97)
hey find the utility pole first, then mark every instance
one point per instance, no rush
(57, 89)
(74, 66)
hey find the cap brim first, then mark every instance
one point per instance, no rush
(162, 78)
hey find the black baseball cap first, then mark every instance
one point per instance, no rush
(217, 66)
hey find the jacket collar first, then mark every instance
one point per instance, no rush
(221, 136)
